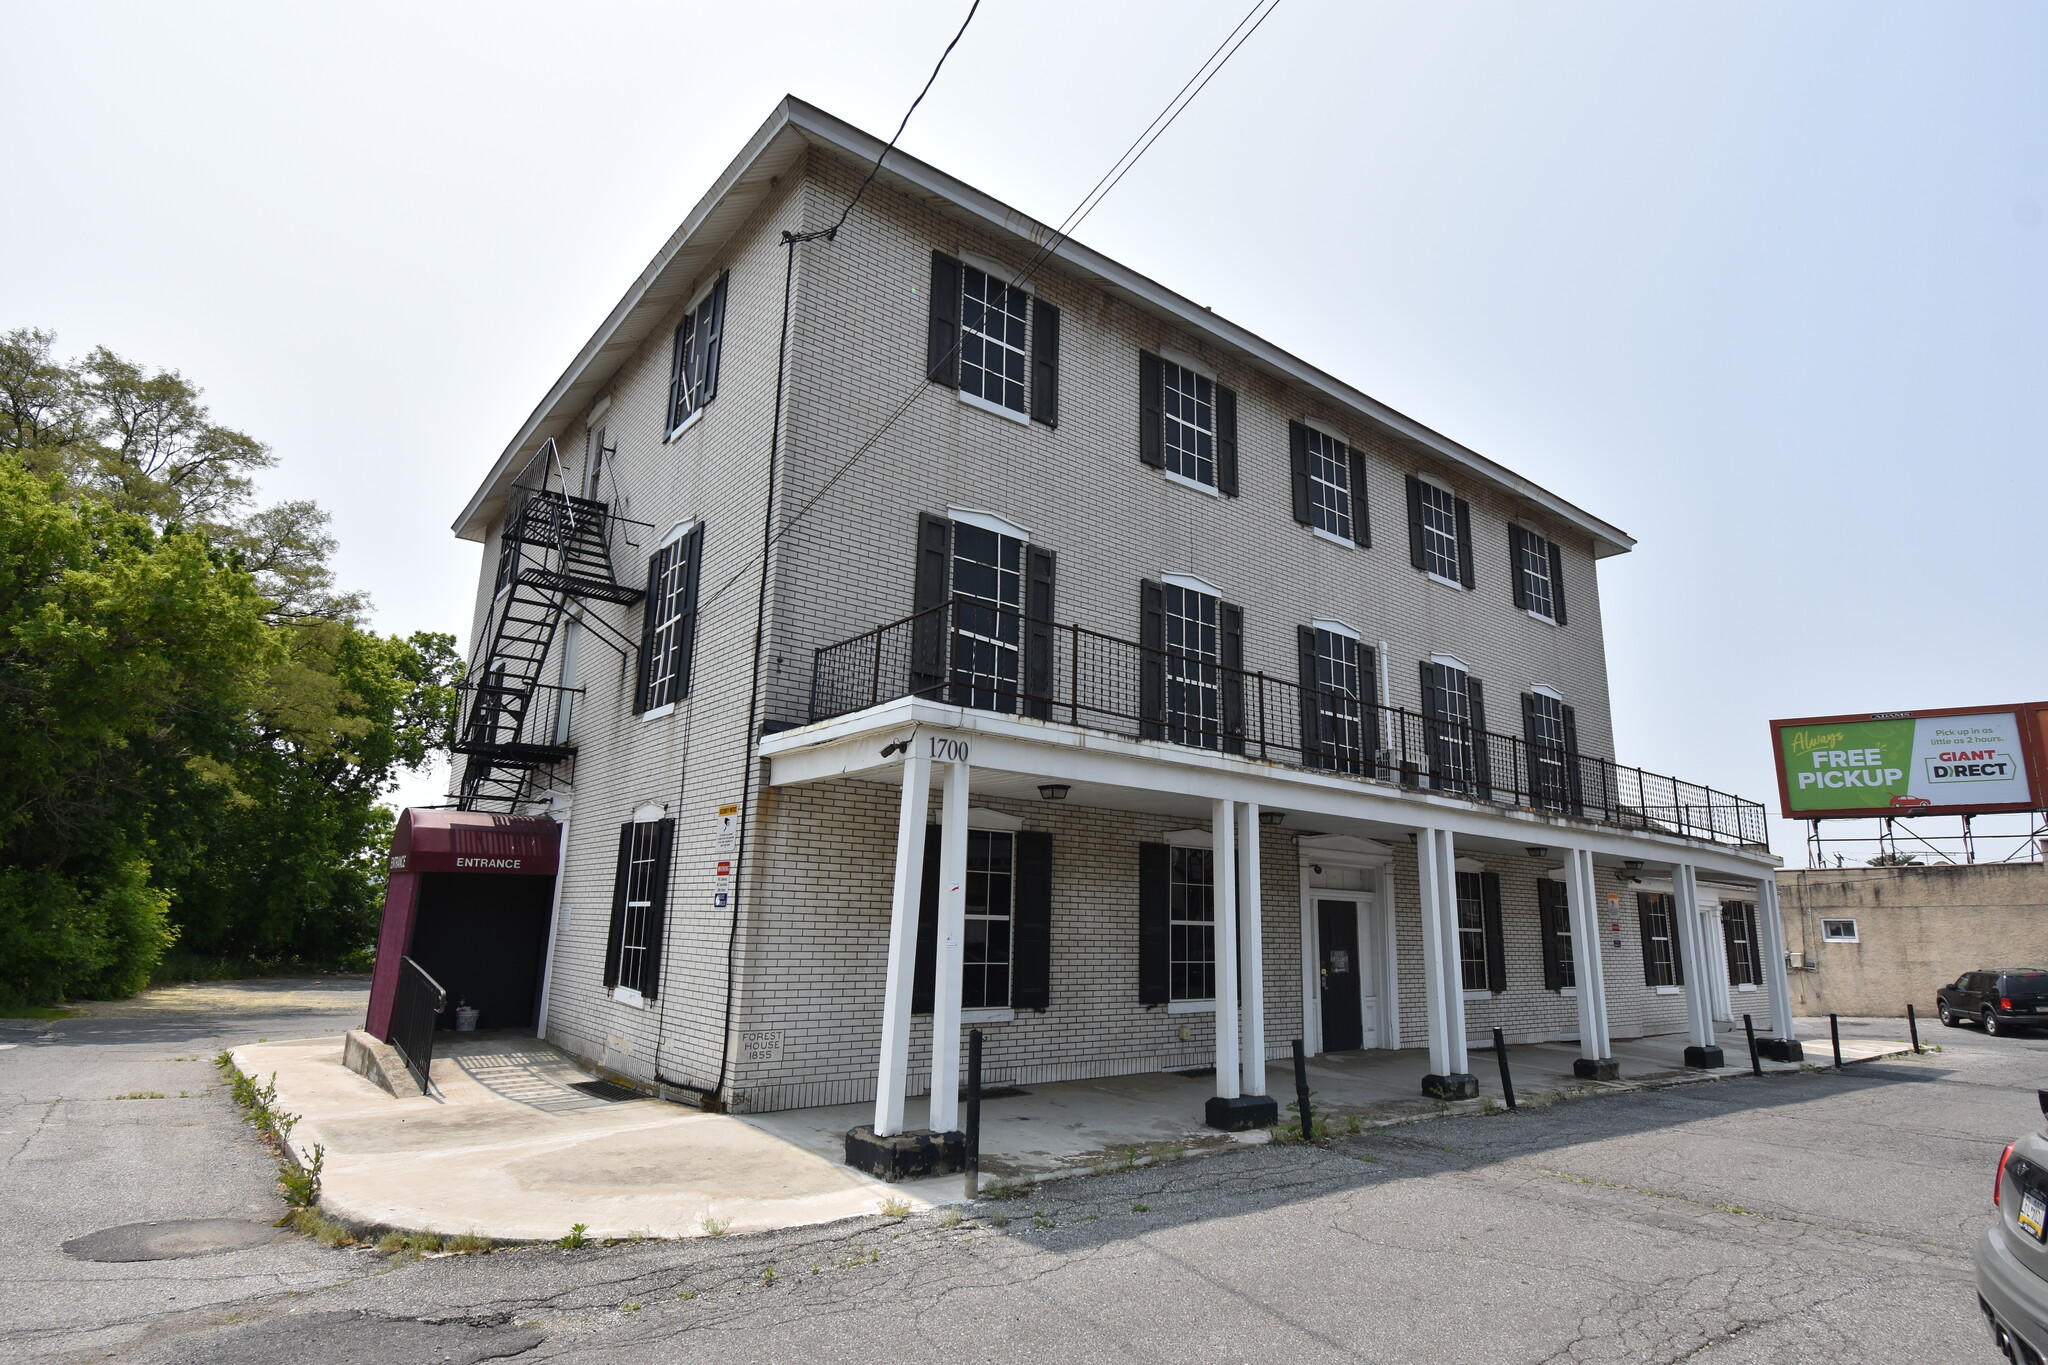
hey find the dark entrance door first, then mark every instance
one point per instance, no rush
(483, 936)
(1337, 957)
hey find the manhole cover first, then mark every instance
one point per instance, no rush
(607, 1090)
(172, 1238)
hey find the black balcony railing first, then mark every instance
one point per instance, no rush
(517, 726)
(996, 659)
(415, 1013)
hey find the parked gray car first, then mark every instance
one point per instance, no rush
(2012, 1255)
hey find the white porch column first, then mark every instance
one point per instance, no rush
(1433, 950)
(1588, 972)
(903, 904)
(1772, 931)
(1714, 940)
(1251, 954)
(1454, 960)
(945, 1096)
(1686, 924)
(1222, 840)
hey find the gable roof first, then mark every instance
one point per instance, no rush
(796, 127)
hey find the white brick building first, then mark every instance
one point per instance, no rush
(1250, 698)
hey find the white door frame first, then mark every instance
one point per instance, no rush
(1375, 928)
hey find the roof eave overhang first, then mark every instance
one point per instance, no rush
(778, 144)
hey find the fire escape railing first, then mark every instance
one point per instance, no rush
(556, 549)
(970, 653)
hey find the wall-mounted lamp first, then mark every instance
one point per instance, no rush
(1537, 852)
(1272, 817)
(1054, 791)
(1633, 864)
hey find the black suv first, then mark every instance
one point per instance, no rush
(2001, 1000)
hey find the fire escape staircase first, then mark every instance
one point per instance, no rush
(556, 549)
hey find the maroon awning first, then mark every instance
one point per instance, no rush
(471, 841)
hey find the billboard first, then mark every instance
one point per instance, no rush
(1958, 761)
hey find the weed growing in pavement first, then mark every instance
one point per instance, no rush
(576, 1240)
(1489, 1105)
(300, 1181)
(895, 1206)
(1141, 1208)
(1039, 1219)
(767, 1274)
(1000, 1188)
(952, 1218)
(1354, 1125)
(999, 1219)
(1168, 1151)
(409, 1246)
(686, 1294)
(468, 1244)
(1129, 1160)
(629, 1308)
(143, 1095)
(321, 1229)
(715, 1227)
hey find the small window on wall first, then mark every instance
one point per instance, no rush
(1839, 931)
(1539, 574)
(668, 632)
(992, 341)
(632, 959)
(1193, 925)
(1658, 917)
(1329, 484)
(694, 360)
(1738, 929)
(1482, 948)
(991, 877)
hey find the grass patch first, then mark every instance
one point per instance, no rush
(952, 1218)
(18, 1010)
(177, 969)
(410, 1246)
(1001, 1188)
(298, 1181)
(895, 1206)
(1141, 1208)
(468, 1244)
(576, 1239)
(143, 1095)
(715, 1227)
(320, 1228)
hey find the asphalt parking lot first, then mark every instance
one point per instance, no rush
(1801, 1217)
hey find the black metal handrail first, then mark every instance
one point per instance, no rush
(993, 658)
(415, 1012)
(517, 725)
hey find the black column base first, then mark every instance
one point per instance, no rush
(1780, 1050)
(905, 1156)
(1705, 1058)
(1605, 1069)
(1242, 1114)
(1459, 1085)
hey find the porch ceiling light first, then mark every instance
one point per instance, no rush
(1537, 852)
(1054, 791)
(1272, 817)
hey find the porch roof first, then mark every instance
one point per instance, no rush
(1011, 756)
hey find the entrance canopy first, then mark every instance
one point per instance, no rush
(473, 841)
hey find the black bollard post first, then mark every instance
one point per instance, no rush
(1308, 1122)
(1835, 1032)
(1500, 1054)
(1756, 1065)
(1913, 1027)
(972, 1152)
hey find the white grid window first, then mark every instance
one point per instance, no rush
(669, 580)
(992, 357)
(1188, 407)
(991, 890)
(1340, 706)
(1472, 932)
(1440, 533)
(1329, 484)
(1547, 753)
(643, 871)
(1561, 945)
(988, 619)
(1194, 681)
(697, 347)
(1192, 925)
(1660, 944)
(1535, 569)
(1450, 733)
(1743, 966)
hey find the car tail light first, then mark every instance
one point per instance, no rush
(1998, 1185)
(2004, 1004)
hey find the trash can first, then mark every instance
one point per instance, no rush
(465, 1018)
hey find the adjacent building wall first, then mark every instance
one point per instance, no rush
(1918, 929)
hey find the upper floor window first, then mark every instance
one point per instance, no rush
(1194, 683)
(1339, 689)
(1658, 914)
(1329, 484)
(988, 618)
(992, 341)
(693, 366)
(1539, 573)
(1187, 424)
(1440, 532)
(1550, 730)
(1454, 722)
(983, 634)
(669, 625)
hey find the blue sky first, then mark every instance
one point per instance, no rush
(1764, 285)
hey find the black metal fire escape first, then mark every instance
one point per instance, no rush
(515, 729)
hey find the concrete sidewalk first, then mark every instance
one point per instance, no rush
(506, 1147)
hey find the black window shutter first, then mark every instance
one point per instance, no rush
(934, 585)
(1532, 744)
(1467, 571)
(686, 627)
(620, 877)
(1297, 461)
(926, 969)
(1151, 398)
(1031, 923)
(713, 345)
(1045, 363)
(1151, 660)
(1496, 940)
(1232, 620)
(1369, 689)
(1677, 957)
(1517, 574)
(1430, 709)
(1756, 946)
(675, 380)
(657, 908)
(1155, 894)
(1226, 441)
(1415, 554)
(1482, 751)
(1551, 924)
(1315, 744)
(1649, 951)
(942, 336)
(1038, 633)
(649, 609)
(1361, 506)
(1556, 583)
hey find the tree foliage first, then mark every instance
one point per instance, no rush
(196, 730)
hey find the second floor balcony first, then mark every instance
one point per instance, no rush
(972, 654)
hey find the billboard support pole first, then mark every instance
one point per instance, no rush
(1969, 842)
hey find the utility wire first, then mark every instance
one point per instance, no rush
(1172, 111)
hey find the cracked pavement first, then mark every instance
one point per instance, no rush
(1799, 1217)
